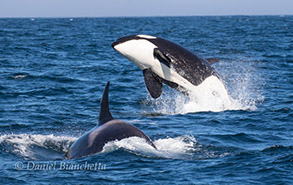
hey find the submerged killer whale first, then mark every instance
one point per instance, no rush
(163, 61)
(108, 129)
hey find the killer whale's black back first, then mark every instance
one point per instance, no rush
(191, 66)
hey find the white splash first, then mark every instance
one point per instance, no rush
(177, 148)
(244, 82)
(241, 80)
(19, 76)
(51, 147)
(24, 144)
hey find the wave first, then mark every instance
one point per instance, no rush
(51, 147)
(176, 148)
(61, 78)
(183, 147)
(36, 147)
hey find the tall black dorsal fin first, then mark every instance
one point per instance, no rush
(105, 114)
(153, 83)
(162, 57)
(212, 60)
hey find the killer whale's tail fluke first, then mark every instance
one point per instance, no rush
(105, 114)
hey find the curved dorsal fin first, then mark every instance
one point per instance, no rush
(105, 114)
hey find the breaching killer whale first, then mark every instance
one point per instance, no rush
(108, 129)
(163, 61)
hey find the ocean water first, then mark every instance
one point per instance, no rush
(53, 72)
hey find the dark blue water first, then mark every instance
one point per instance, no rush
(53, 72)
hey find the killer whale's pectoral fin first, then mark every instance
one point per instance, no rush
(105, 114)
(164, 59)
(153, 83)
(212, 60)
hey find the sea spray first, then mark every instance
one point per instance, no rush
(243, 87)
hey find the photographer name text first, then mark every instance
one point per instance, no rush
(59, 165)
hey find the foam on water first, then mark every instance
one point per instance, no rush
(181, 147)
(50, 147)
(37, 146)
(19, 76)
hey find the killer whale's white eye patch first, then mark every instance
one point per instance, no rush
(146, 36)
